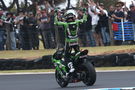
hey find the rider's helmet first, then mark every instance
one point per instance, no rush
(70, 16)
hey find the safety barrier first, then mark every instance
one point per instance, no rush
(123, 31)
(45, 62)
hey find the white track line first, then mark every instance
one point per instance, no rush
(121, 88)
(27, 73)
(114, 70)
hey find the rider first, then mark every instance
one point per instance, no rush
(71, 27)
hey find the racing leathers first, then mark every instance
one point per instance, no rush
(71, 38)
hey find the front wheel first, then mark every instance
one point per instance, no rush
(63, 83)
(90, 73)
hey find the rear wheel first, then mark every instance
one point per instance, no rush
(89, 73)
(63, 83)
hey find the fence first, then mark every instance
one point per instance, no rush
(123, 31)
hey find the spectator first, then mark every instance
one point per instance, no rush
(11, 40)
(46, 30)
(118, 15)
(91, 32)
(2, 34)
(17, 27)
(111, 12)
(82, 31)
(32, 32)
(110, 23)
(89, 35)
(131, 17)
(103, 23)
(60, 37)
(52, 27)
(120, 4)
(24, 32)
(125, 10)
(93, 12)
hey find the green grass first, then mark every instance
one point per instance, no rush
(52, 70)
(116, 68)
(39, 53)
(25, 54)
(110, 49)
(26, 71)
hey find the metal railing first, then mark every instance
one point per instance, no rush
(124, 32)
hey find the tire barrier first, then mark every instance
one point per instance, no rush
(125, 59)
(114, 60)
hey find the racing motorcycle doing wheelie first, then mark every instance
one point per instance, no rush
(72, 64)
(84, 70)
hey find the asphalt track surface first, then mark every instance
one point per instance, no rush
(47, 81)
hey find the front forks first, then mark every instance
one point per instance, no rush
(61, 68)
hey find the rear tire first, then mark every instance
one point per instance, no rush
(90, 73)
(60, 80)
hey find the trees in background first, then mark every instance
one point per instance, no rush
(25, 4)
(107, 3)
(4, 7)
(30, 4)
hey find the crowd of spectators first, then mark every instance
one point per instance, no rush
(25, 29)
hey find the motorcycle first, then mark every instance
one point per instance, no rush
(84, 70)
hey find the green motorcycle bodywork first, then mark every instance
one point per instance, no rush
(59, 66)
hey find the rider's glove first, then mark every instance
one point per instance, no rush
(56, 10)
(84, 10)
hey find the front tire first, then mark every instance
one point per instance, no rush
(90, 73)
(60, 80)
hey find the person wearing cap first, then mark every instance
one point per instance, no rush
(119, 3)
(131, 17)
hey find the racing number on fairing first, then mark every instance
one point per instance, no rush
(70, 65)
